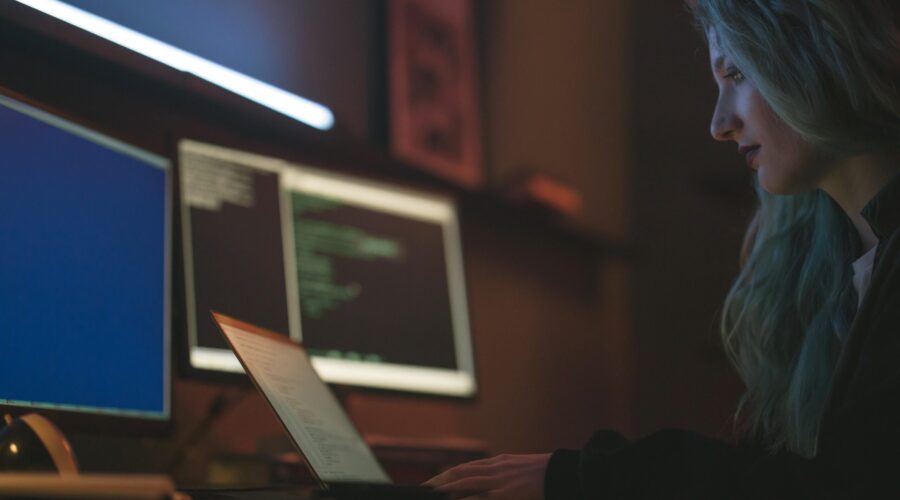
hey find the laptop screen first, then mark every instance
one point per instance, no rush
(315, 421)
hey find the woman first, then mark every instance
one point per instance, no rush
(808, 91)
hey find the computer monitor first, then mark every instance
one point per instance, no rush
(372, 274)
(381, 284)
(236, 260)
(84, 272)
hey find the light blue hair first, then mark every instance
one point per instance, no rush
(787, 313)
(829, 69)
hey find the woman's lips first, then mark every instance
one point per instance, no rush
(749, 153)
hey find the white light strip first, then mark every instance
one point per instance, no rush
(366, 194)
(292, 105)
(343, 371)
(207, 358)
(397, 377)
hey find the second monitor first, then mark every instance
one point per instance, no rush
(374, 282)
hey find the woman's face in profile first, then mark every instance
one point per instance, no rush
(785, 162)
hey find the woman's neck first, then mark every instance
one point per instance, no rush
(854, 182)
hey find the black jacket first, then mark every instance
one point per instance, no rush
(859, 441)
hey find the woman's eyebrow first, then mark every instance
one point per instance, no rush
(719, 62)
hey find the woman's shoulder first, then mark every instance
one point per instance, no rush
(883, 215)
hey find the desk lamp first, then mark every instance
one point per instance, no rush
(31, 443)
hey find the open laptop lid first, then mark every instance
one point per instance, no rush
(318, 426)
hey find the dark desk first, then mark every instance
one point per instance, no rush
(339, 492)
(275, 493)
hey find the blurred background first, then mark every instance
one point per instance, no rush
(598, 314)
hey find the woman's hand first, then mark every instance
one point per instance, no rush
(504, 477)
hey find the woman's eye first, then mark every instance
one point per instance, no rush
(735, 75)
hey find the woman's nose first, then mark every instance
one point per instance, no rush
(725, 123)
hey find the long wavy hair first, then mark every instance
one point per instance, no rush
(829, 69)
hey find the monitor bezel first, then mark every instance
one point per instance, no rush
(188, 314)
(101, 420)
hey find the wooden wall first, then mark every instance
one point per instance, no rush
(691, 204)
(610, 95)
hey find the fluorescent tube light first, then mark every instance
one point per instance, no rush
(292, 105)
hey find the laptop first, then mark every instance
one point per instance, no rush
(337, 456)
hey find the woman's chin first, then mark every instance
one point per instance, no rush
(769, 184)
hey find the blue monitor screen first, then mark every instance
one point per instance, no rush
(84, 269)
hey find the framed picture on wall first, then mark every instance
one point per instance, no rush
(433, 88)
